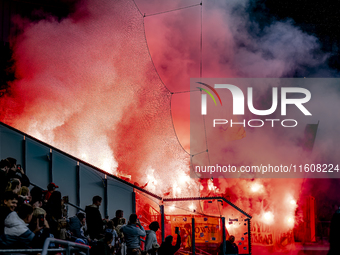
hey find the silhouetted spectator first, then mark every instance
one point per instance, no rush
(230, 246)
(103, 246)
(25, 193)
(54, 212)
(50, 189)
(4, 167)
(39, 217)
(15, 172)
(17, 234)
(110, 228)
(14, 185)
(76, 224)
(9, 205)
(24, 196)
(94, 220)
(167, 248)
(132, 235)
(334, 234)
(186, 237)
(151, 237)
(54, 205)
(37, 197)
(122, 246)
(119, 215)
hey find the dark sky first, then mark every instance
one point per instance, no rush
(318, 18)
(321, 19)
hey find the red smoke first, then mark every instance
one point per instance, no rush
(87, 85)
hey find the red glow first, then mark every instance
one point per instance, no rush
(87, 86)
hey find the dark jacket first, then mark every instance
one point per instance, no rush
(94, 221)
(231, 248)
(75, 227)
(3, 183)
(18, 175)
(102, 248)
(167, 248)
(4, 211)
(17, 234)
(54, 213)
(17, 242)
(334, 234)
(40, 238)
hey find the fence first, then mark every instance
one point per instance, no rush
(69, 249)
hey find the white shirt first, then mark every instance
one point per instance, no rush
(14, 226)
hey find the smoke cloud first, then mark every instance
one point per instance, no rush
(87, 85)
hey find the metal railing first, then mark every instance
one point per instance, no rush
(75, 206)
(70, 246)
(67, 203)
(25, 251)
(69, 249)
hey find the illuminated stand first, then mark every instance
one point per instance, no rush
(200, 233)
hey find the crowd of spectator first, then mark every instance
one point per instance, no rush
(29, 216)
(23, 217)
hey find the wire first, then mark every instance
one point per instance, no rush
(173, 126)
(171, 92)
(146, 41)
(153, 64)
(198, 183)
(201, 41)
(191, 212)
(206, 140)
(185, 91)
(140, 193)
(138, 9)
(182, 8)
(199, 153)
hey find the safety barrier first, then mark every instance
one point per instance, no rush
(70, 248)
